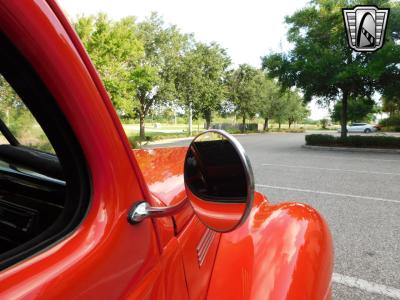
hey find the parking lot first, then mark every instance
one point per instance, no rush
(358, 194)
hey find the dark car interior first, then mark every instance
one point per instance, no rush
(29, 201)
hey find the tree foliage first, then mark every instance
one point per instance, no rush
(267, 93)
(296, 110)
(115, 50)
(321, 63)
(391, 105)
(136, 61)
(154, 80)
(201, 79)
(288, 106)
(388, 60)
(243, 94)
(147, 65)
(359, 109)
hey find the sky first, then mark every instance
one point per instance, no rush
(247, 29)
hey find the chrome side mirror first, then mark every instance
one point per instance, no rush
(219, 180)
(219, 184)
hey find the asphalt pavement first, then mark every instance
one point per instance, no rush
(357, 193)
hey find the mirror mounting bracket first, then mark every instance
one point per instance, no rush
(142, 210)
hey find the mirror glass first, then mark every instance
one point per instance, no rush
(219, 180)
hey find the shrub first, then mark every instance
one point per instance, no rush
(391, 128)
(238, 131)
(393, 121)
(287, 130)
(386, 142)
(320, 139)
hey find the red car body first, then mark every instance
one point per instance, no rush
(282, 251)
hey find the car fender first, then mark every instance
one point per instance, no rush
(282, 251)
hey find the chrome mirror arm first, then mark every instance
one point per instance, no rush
(142, 210)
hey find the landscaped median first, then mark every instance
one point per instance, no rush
(353, 141)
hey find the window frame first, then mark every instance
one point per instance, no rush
(39, 101)
(8, 134)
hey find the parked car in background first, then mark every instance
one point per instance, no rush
(89, 218)
(360, 127)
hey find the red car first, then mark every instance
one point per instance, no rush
(97, 220)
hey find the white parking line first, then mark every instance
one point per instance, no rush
(357, 158)
(326, 193)
(370, 287)
(331, 169)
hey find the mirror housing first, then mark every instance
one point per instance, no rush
(219, 184)
(219, 180)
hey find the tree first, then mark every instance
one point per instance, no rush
(154, 79)
(8, 99)
(201, 79)
(321, 62)
(280, 108)
(391, 105)
(242, 91)
(136, 61)
(283, 106)
(359, 109)
(267, 93)
(296, 110)
(115, 50)
(18, 118)
(213, 64)
(388, 59)
(324, 123)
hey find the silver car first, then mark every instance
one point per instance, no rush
(360, 127)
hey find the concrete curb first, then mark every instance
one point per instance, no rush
(168, 141)
(350, 149)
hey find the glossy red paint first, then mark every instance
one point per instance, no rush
(282, 251)
(221, 217)
(165, 279)
(197, 277)
(163, 173)
(105, 258)
(162, 170)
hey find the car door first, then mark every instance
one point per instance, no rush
(103, 257)
(355, 127)
(199, 248)
(363, 126)
(197, 243)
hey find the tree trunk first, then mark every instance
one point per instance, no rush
(141, 125)
(343, 120)
(266, 123)
(208, 123)
(279, 125)
(207, 116)
(290, 122)
(243, 122)
(190, 119)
